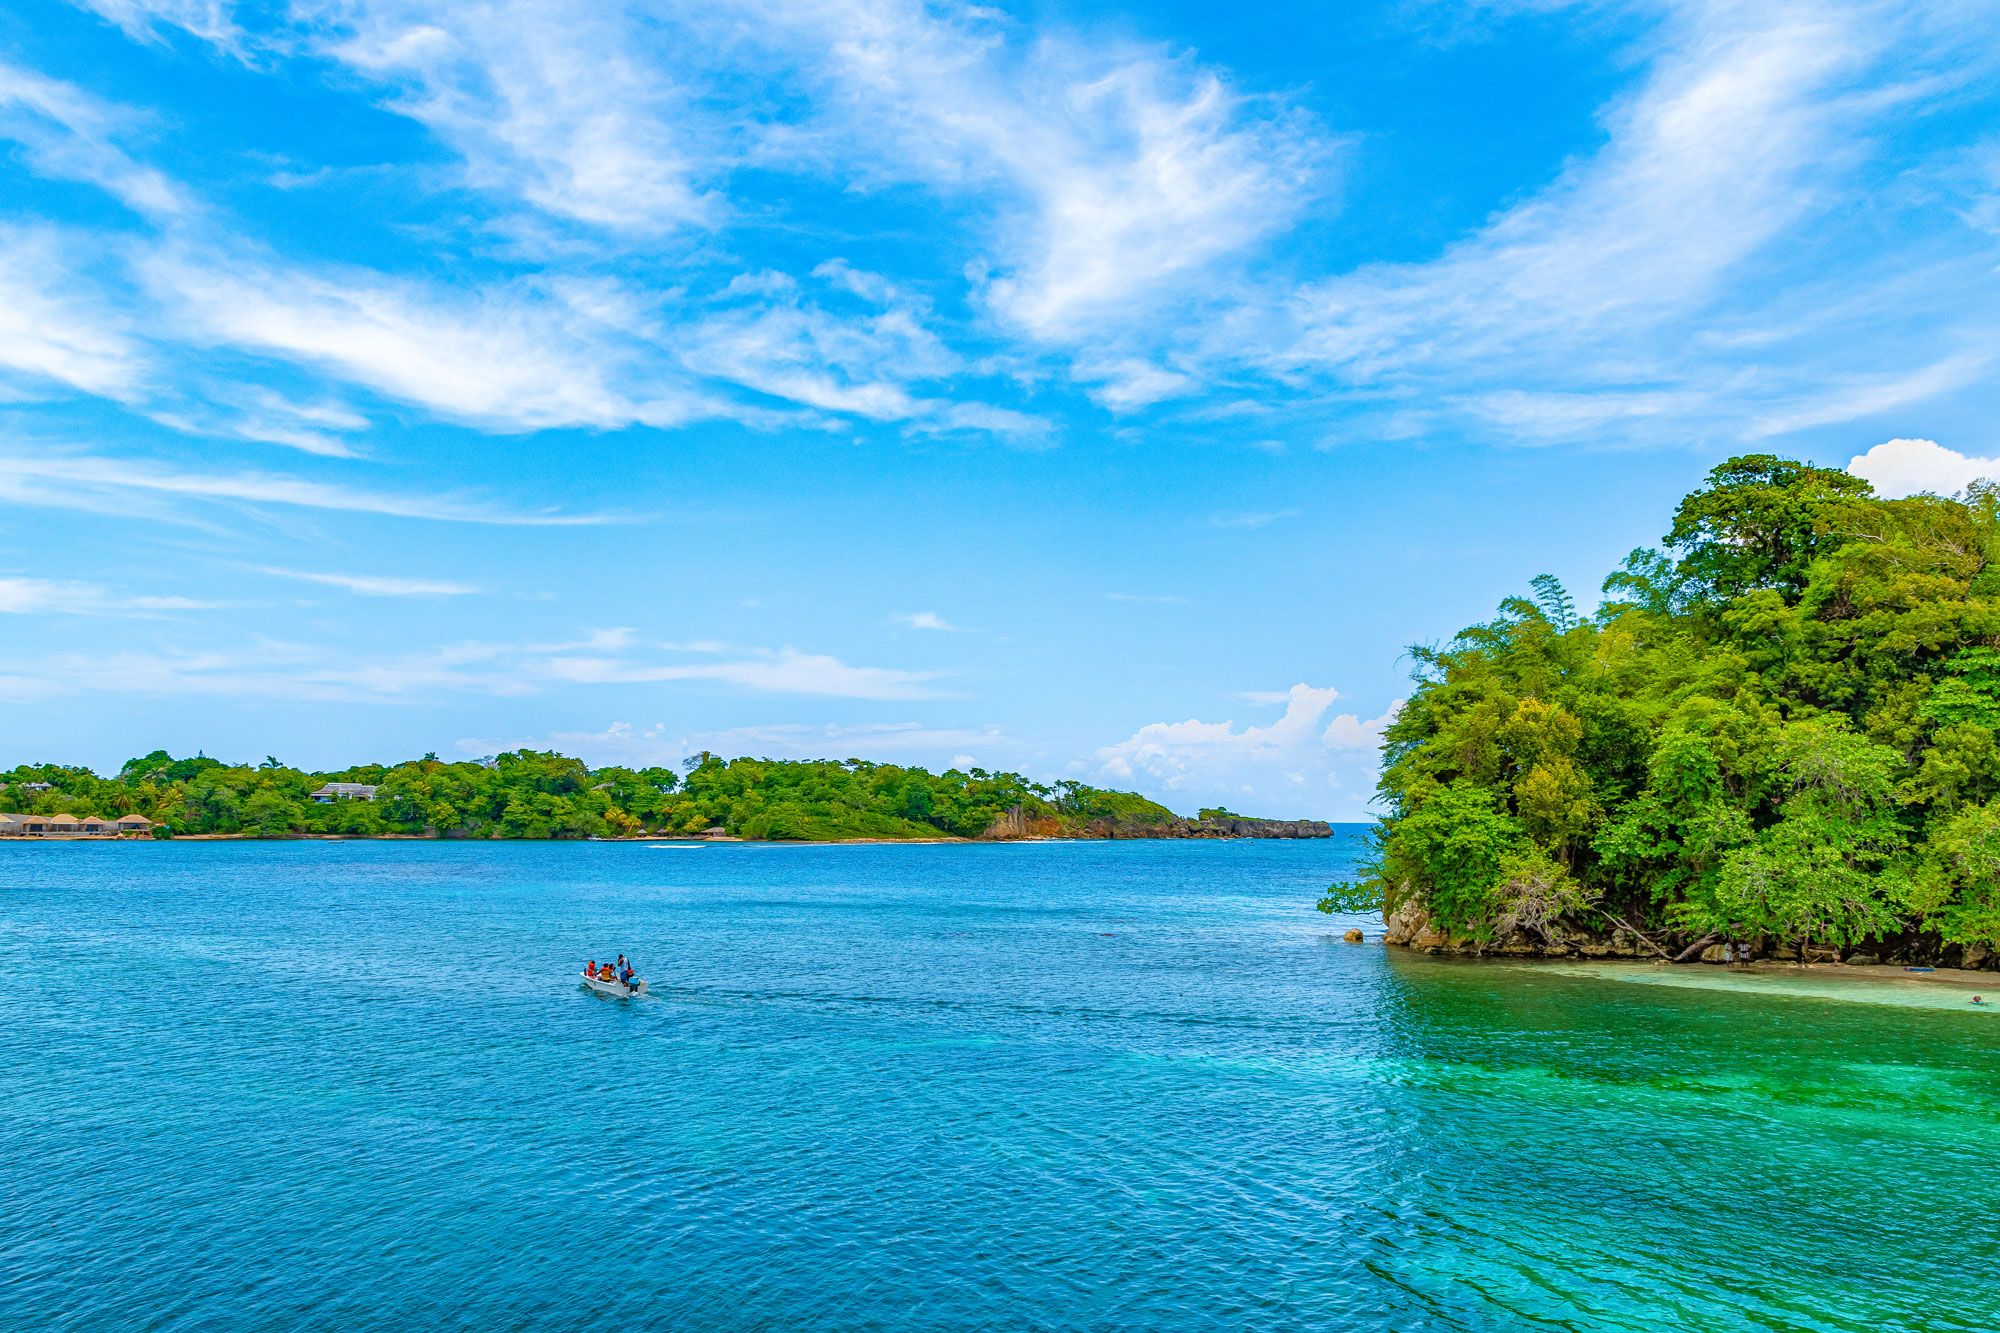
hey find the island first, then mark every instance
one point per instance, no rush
(1778, 737)
(541, 795)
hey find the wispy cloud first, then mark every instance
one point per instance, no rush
(69, 133)
(925, 620)
(380, 585)
(51, 328)
(553, 104)
(1263, 518)
(516, 357)
(71, 479)
(33, 596)
(269, 668)
(1643, 293)
(626, 743)
(779, 671)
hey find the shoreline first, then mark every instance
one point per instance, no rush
(662, 839)
(1875, 983)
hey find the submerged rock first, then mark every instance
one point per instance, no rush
(1354, 936)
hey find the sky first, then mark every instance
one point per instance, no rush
(1098, 392)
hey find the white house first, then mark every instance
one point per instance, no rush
(344, 791)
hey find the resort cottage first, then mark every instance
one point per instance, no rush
(344, 791)
(70, 826)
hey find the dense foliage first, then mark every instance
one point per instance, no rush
(1785, 726)
(528, 794)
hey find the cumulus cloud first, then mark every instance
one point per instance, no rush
(1301, 763)
(1906, 467)
(1349, 732)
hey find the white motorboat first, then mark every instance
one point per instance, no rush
(614, 988)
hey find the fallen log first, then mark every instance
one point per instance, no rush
(1694, 951)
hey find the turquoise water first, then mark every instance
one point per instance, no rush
(356, 1086)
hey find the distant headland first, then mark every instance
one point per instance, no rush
(530, 794)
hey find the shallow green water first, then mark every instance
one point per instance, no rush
(356, 1086)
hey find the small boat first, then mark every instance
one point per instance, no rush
(614, 988)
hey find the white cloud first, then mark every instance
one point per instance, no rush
(927, 620)
(1349, 732)
(1169, 751)
(90, 481)
(1124, 173)
(32, 596)
(521, 356)
(882, 742)
(1906, 467)
(380, 585)
(142, 19)
(1291, 759)
(556, 104)
(1683, 280)
(50, 330)
(779, 671)
(1126, 384)
(1252, 519)
(270, 668)
(68, 133)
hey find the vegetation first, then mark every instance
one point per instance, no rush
(528, 794)
(1784, 727)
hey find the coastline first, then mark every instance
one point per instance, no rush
(1944, 988)
(661, 839)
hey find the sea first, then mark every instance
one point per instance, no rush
(1068, 1085)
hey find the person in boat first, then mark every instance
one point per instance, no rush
(590, 968)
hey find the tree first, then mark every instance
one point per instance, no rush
(1759, 523)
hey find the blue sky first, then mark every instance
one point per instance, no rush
(1090, 391)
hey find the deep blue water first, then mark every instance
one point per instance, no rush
(356, 1086)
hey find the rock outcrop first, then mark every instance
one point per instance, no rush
(1410, 926)
(1016, 824)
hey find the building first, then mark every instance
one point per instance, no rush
(71, 826)
(344, 791)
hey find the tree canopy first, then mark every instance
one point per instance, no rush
(533, 794)
(1783, 725)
